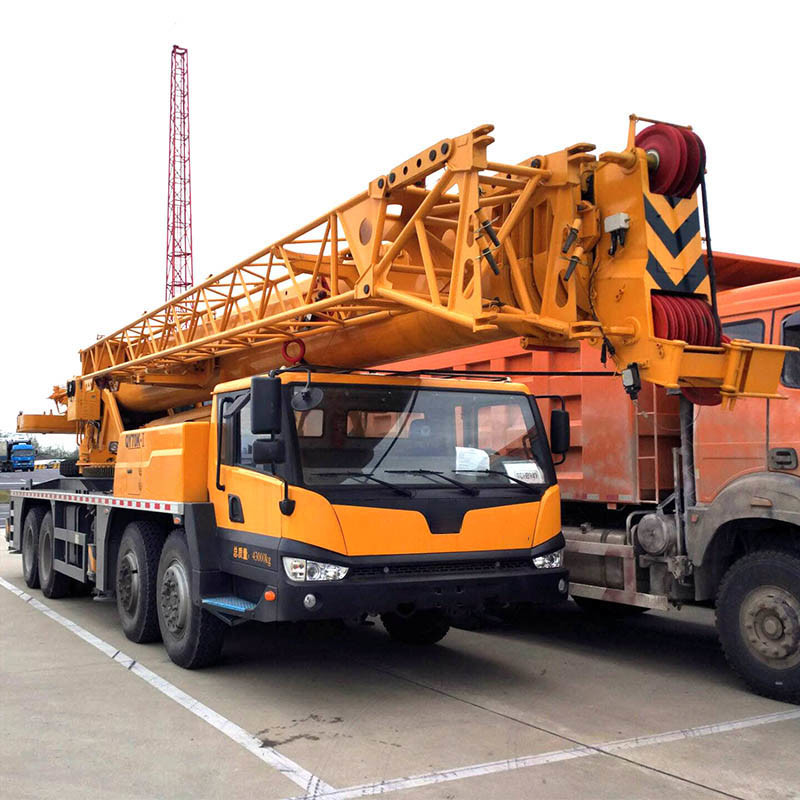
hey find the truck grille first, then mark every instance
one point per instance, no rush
(440, 568)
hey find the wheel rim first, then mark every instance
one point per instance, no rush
(175, 599)
(45, 555)
(27, 548)
(128, 581)
(770, 624)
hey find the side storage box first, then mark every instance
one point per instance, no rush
(168, 462)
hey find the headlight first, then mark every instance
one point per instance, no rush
(301, 569)
(550, 561)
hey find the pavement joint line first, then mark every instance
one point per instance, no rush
(312, 785)
(581, 751)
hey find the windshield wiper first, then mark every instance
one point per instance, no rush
(369, 476)
(462, 486)
(528, 486)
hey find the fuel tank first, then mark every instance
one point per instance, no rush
(591, 569)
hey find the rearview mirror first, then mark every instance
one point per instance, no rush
(269, 451)
(559, 431)
(265, 405)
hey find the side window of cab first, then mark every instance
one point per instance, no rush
(750, 329)
(790, 336)
(237, 438)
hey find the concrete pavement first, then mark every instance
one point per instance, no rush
(355, 709)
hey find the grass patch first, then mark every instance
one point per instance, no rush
(4, 496)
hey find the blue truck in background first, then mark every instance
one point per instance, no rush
(16, 455)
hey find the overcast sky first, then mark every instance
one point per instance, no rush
(296, 106)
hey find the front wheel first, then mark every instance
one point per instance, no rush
(192, 636)
(758, 621)
(421, 627)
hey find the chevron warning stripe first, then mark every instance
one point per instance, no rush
(674, 258)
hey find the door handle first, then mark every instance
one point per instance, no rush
(235, 511)
(782, 458)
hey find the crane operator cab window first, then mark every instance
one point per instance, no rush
(379, 437)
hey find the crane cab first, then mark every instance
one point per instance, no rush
(383, 480)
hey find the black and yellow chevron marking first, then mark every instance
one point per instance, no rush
(674, 256)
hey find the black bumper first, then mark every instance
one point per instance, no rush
(450, 593)
(248, 565)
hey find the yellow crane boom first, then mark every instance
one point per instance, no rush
(445, 249)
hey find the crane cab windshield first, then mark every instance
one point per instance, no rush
(423, 438)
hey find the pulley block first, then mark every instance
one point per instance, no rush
(680, 159)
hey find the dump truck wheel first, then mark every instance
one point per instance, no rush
(54, 584)
(758, 620)
(604, 609)
(136, 580)
(421, 627)
(30, 547)
(192, 636)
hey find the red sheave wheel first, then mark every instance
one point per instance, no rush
(669, 144)
(695, 160)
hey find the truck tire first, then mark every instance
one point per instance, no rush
(68, 468)
(192, 636)
(54, 584)
(136, 580)
(30, 546)
(421, 627)
(605, 609)
(758, 621)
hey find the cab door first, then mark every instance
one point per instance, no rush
(245, 495)
(731, 443)
(783, 427)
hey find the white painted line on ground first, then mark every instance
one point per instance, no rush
(311, 784)
(510, 764)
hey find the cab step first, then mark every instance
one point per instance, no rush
(229, 602)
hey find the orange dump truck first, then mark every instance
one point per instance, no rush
(670, 503)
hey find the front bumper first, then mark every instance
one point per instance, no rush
(453, 583)
(449, 593)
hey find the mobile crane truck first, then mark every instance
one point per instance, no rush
(667, 503)
(203, 497)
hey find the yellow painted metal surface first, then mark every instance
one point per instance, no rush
(415, 247)
(442, 250)
(45, 423)
(84, 402)
(164, 463)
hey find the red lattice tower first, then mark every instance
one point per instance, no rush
(180, 270)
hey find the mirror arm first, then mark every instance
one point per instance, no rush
(286, 505)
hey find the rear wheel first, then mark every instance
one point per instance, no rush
(421, 627)
(137, 572)
(30, 547)
(192, 636)
(758, 620)
(54, 584)
(604, 609)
